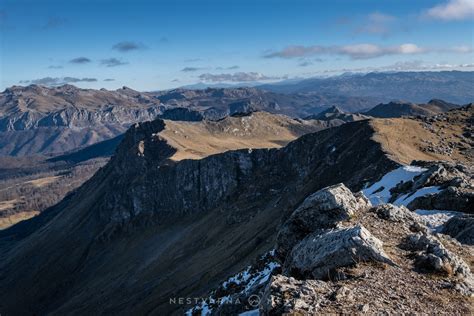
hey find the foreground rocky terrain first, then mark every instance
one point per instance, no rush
(150, 227)
(338, 253)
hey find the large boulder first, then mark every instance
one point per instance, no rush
(431, 256)
(288, 296)
(461, 228)
(318, 255)
(394, 213)
(321, 210)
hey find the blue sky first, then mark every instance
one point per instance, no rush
(152, 45)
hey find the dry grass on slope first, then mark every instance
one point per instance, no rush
(430, 139)
(196, 140)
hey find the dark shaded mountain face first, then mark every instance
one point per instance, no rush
(452, 86)
(146, 228)
(399, 109)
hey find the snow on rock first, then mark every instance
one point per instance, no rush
(203, 307)
(262, 276)
(407, 198)
(435, 219)
(240, 284)
(239, 278)
(379, 192)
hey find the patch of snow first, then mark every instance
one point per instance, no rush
(262, 276)
(239, 278)
(415, 169)
(407, 198)
(254, 312)
(203, 308)
(247, 278)
(379, 192)
(435, 219)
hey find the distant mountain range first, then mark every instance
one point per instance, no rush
(36, 119)
(216, 103)
(398, 109)
(52, 121)
(41, 120)
(452, 86)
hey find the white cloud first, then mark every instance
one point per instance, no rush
(409, 49)
(50, 81)
(414, 65)
(237, 77)
(453, 10)
(356, 51)
(360, 51)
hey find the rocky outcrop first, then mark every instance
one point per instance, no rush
(461, 228)
(451, 198)
(343, 257)
(321, 210)
(320, 254)
(433, 256)
(394, 213)
(288, 296)
(441, 186)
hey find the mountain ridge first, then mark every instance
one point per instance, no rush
(179, 227)
(233, 168)
(416, 86)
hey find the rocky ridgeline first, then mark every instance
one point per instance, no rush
(337, 253)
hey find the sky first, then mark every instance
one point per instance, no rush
(156, 45)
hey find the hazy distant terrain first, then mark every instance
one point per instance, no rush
(451, 86)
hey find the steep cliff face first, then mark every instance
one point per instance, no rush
(78, 118)
(40, 120)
